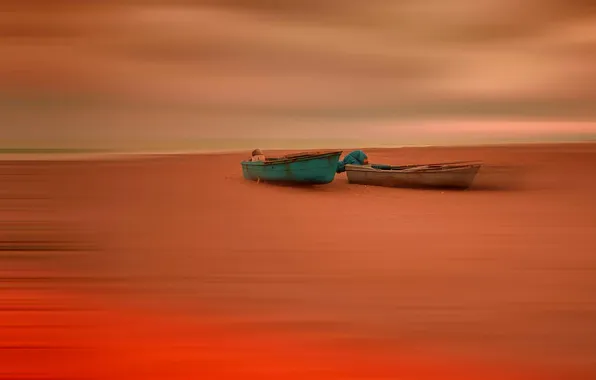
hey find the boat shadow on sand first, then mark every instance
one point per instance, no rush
(335, 186)
(501, 178)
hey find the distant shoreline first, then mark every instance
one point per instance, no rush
(99, 154)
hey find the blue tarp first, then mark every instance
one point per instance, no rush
(356, 157)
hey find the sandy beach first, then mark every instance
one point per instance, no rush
(180, 268)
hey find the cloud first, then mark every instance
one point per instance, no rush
(300, 53)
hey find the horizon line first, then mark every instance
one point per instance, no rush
(102, 154)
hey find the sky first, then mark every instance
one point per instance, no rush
(82, 72)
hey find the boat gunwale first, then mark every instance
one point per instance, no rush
(287, 160)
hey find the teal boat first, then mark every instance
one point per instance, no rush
(302, 168)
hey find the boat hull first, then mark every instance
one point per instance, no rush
(308, 169)
(446, 177)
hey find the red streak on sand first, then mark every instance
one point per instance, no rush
(85, 342)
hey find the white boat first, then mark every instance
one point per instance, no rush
(457, 175)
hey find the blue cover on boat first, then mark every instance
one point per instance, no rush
(356, 157)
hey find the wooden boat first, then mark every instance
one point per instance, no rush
(454, 175)
(301, 168)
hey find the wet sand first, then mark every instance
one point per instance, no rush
(188, 266)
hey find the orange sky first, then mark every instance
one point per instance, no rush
(288, 60)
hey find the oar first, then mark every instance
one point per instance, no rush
(438, 164)
(446, 163)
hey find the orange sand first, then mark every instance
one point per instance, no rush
(196, 273)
